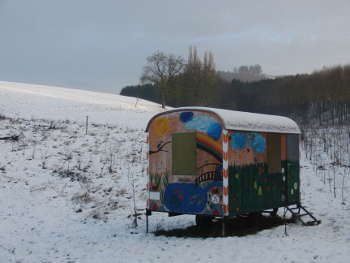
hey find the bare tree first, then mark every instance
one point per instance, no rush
(160, 70)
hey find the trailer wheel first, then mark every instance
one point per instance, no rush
(203, 220)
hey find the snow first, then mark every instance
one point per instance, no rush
(66, 196)
(56, 103)
(247, 121)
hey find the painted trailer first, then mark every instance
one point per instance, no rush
(220, 163)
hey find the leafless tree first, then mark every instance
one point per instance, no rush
(160, 70)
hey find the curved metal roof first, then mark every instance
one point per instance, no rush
(245, 121)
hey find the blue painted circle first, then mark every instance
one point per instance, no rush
(214, 130)
(186, 116)
(259, 143)
(239, 141)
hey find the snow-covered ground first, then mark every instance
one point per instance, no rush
(67, 196)
(54, 103)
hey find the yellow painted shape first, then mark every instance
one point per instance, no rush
(260, 191)
(161, 126)
(237, 176)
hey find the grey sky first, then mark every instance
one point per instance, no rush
(103, 45)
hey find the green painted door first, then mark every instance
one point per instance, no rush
(184, 154)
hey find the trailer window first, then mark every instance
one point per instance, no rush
(274, 153)
(184, 153)
(293, 147)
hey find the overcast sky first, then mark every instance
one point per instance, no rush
(103, 44)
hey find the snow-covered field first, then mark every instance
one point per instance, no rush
(67, 196)
(53, 103)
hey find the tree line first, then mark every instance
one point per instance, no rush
(322, 96)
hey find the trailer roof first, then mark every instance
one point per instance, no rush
(245, 121)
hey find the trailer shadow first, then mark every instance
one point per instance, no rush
(239, 226)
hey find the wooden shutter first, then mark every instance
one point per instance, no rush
(293, 147)
(274, 153)
(184, 153)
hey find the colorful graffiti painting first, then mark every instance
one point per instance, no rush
(215, 200)
(256, 141)
(239, 141)
(185, 198)
(211, 175)
(201, 193)
(205, 124)
(161, 126)
(160, 147)
(191, 198)
(214, 130)
(186, 116)
(229, 170)
(209, 145)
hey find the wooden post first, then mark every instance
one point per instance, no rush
(223, 227)
(146, 222)
(86, 125)
(285, 223)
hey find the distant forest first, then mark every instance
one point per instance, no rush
(323, 96)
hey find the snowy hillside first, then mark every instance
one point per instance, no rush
(55, 103)
(67, 196)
